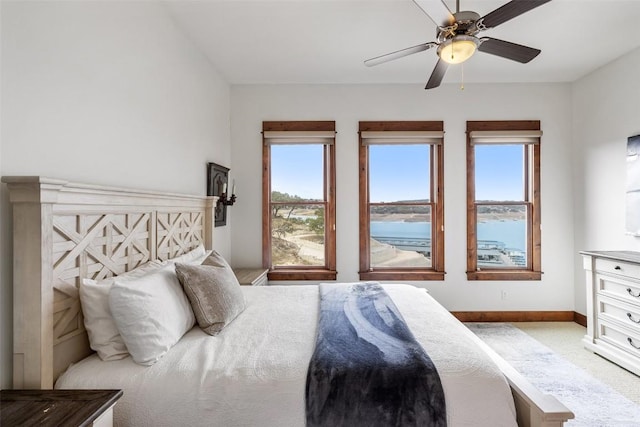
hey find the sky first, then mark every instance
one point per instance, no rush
(499, 172)
(398, 172)
(297, 170)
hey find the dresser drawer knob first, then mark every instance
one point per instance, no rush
(632, 294)
(637, 347)
(617, 267)
(630, 316)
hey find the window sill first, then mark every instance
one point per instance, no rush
(319, 274)
(403, 275)
(504, 275)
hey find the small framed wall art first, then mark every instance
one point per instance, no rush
(217, 181)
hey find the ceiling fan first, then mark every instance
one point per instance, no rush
(457, 38)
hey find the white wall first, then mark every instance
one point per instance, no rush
(348, 104)
(605, 114)
(106, 93)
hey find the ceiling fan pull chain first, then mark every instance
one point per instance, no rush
(462, 76)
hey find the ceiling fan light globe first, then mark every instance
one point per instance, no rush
(458, 49)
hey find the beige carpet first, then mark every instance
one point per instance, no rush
(564, 339)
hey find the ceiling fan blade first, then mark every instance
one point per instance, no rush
(508, 50)
(509, 11)
(437, 11)
(398, 54)
(437, 75)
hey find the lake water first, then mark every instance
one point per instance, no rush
(511, 233)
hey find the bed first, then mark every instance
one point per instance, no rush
(253, 373)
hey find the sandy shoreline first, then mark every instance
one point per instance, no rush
(313, 253)
(382, 254)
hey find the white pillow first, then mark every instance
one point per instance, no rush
(194, 257)
(199, 260)
(104, 337)
(152, 313)
(190, 256)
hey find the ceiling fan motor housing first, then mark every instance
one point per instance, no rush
(464, 24)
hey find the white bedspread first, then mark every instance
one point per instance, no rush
(254, 372)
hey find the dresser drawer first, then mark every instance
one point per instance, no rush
(616, 311)
(610, 266)
(619, 337)
(618, 287)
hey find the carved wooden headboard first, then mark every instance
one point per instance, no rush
(64, 232)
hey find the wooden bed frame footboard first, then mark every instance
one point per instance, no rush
(64, 232)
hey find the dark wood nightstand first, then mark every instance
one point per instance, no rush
(58, 407)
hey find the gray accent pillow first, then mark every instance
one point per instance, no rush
(216, 260)
(213, 292)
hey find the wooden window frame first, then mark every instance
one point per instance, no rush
(328, 271)
(533, 270)
(436, 271)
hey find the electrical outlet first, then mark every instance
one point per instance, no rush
(503, 295)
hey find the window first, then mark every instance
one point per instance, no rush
(298, 229)
(503, 200)
(401, 201)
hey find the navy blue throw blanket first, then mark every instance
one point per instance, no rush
(367, 368)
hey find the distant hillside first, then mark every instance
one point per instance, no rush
(393, 208)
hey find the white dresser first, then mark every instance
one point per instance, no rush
(613, 306)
